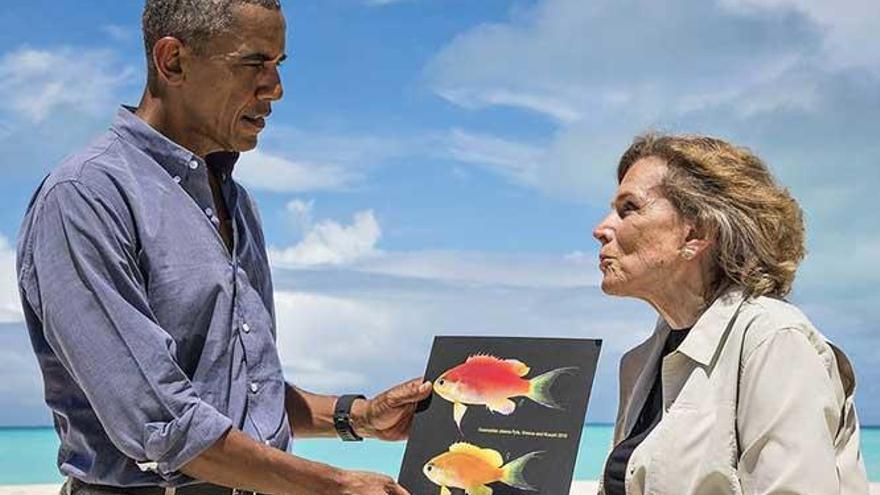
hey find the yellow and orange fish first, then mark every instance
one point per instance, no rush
(471, 468)
(492, 382)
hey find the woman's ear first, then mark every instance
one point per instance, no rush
(697, 242)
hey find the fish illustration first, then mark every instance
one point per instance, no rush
(471, 468)
(492, 382)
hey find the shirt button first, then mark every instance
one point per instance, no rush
(254, 387)
(209, 211)
(193, 164)
(246, 328)
(177, 179)
(214, 219)
(268, 442)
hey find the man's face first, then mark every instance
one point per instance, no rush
(230, 86)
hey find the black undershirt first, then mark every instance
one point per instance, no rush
(615, 468)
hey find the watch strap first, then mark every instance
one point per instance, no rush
(342, 418)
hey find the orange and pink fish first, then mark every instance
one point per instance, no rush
(471, 468)
(492, 382)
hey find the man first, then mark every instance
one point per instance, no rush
(146, 288)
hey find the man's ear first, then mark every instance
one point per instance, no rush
(167, 54)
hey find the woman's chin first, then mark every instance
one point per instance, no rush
(613, 286)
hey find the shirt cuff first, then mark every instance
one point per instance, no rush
(173, 444)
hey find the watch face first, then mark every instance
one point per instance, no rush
(342, 423)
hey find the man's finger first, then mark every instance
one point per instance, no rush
(396, 489)
(412, 391)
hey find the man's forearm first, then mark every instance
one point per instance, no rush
(311, 415)
(238, 461)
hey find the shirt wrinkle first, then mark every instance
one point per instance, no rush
(746, 422)
(140, 347)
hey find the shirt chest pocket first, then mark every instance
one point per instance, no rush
(694, 447)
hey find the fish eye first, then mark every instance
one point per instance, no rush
(441, 382)
(429, 467)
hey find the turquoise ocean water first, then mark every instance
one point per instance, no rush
(27, 455)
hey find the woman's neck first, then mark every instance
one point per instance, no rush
(680, 302)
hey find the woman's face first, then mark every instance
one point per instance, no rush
(643, 236)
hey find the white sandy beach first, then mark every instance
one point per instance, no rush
(577, 488)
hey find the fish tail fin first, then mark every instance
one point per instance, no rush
(539, 386)
(512, 473)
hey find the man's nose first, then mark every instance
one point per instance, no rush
(271, 88)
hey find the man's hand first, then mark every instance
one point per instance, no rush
(364, 483)
(388, 416)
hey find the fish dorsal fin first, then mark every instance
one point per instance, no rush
(518, 366)
(488, 455)
(483, 358)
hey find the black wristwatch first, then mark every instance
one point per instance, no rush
(342, 418)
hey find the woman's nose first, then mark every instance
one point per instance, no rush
(604, 231)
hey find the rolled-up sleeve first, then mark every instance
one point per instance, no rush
(81, 277)
(788, 416)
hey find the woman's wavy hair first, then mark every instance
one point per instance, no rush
(731, 197)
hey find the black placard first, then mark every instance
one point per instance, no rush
(531, 427)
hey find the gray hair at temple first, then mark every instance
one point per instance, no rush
(193, 22)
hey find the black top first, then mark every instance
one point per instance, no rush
(615, 468)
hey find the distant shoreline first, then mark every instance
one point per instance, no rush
(27, 427)
(578, 487)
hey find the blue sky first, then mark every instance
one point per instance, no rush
(437, 166)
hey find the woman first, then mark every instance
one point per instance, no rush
(735, 391)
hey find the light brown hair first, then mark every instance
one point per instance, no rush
(730, 195)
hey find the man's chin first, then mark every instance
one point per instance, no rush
(245, 143)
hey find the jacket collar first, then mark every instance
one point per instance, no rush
(707, 334)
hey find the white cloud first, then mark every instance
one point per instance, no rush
(261, 170)
(485, 269)
(329, 242)
(553, 106)
(849, 27)
(337, 335)
(36, 83)
(517, 161)
(379, 3)
(578, 164)
(307, 323)
(351, 151)
(122, 34)
(10, 302)
(353, 247)
(582, 61)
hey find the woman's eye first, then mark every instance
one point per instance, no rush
(626, 209)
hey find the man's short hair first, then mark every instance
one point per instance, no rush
(193, 22)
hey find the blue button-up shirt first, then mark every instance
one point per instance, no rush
(152, 338)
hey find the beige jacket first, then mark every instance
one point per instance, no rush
(785, 424)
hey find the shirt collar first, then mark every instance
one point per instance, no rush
(708, 333)
(174, 158)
